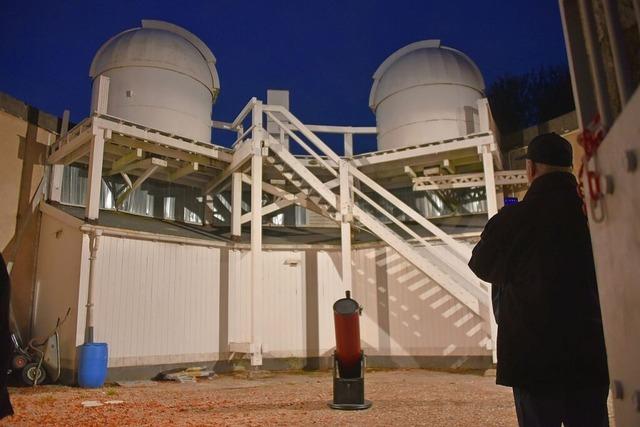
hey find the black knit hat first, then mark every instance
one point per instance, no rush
(550, 149)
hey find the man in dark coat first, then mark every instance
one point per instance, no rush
(537, 256)
(5, 340)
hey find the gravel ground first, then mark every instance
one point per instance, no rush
(400, 397)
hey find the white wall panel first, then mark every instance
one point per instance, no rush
(239, 296)
(157, 302)
(421, 318)
(283, 304)
(330, 289)
(160, 303)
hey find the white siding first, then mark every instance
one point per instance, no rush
(157, 302)
(282, 305)
(330, 289)
(409, 312)
(239, 296)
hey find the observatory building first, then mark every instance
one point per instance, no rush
(177, 251)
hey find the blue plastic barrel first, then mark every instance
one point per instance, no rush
(92, 364)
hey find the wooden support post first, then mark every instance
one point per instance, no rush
(489, 180)
(135, 185)
(256, 237)
(483, 115)
(345, 225)
(57, 171)
(492, 209)
(94, 181)
(236, 204)
(100, 95)
(348, 145)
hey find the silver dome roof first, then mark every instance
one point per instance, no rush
(159, 44)
(423, 63)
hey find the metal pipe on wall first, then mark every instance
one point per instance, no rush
(94, 244)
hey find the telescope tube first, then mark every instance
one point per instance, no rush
(346, 312)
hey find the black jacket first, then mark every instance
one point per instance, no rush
(537, 255)
(5, 340)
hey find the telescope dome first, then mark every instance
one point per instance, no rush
(161, 76)
(425, 92)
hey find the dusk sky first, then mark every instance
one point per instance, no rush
(324, 52)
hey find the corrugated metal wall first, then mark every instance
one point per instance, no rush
(410, 314)
(157, 302)
(173, 303)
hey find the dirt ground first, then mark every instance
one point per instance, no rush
(400, 397)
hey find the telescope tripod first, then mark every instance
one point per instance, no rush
(348, 393)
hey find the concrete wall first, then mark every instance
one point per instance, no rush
(24, 136)
(57, 283)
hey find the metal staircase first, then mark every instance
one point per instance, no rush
(352, 203)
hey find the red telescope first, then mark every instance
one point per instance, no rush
(348, 359)
(346, 313)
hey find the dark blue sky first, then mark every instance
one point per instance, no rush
(324, 52)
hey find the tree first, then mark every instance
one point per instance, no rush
(520, 101)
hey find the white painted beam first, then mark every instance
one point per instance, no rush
(152, 135)
(241, 155)
(236, 203)
(71, 142)
(489, 181)
(130, 157)
(345, 226)
(142, 164)
(256, 237)
(419, 151)
(136, 184)
(94, 180)
(57, 171)
(184, 171)
(100, 95)
(468, 180)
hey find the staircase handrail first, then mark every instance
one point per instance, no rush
(461, 252)
(324, 148)
(299, 140)
(458, 247)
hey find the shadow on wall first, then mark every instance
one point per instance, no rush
(312, 315)
(414, 315)
(22, 249)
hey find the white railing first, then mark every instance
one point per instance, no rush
(458, 255)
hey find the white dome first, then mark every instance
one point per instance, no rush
(422, 63)
(425, 92)
(159, 44)
(160, 76)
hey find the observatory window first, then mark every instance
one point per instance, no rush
(169, 207)
(129, 93)
(191, 216)
(278, 219)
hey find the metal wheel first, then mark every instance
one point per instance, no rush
(32, 374)
(19, 361)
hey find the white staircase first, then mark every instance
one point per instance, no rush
(445, 264)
